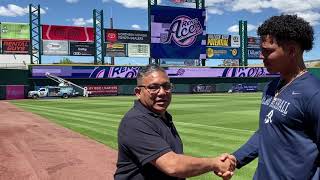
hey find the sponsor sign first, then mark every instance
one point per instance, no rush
(176, 72)
(15, 31)
(127, 36)
(116, 50)
(183, 1)
(81, 49)
(203, 88)
(124, 71)
(254, 42)
(235, 40)
(223, 53)
(222, 40)
(138, 50)
(15, 92)
(102, 90)
(15, 46)
(67, 33)
(254, 53)
(245, 87)
(55, 47)
(177, 32)
(97, 72)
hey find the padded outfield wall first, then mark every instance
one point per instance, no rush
(185, 79)
(17, 83)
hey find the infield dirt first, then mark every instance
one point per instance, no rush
(33, 148)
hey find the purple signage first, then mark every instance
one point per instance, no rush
(177, 32)
(132, 71)
(15, 92)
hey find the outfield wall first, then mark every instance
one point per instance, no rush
(15, 81)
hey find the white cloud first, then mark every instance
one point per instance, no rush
(136, 26)
(307, 9)
(312, 17)
(212, 10)
(143, 4)
(81, 21)
(13, 10)
(72, 1)
(235, 28)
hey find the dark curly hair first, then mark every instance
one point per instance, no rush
(288, 28)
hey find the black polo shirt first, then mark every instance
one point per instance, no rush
(142, 137)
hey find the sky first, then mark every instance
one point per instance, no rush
(222, 17)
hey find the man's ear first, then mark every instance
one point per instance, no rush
(137, 92)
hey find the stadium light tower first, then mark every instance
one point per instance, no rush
(35, 34)
(98, 36)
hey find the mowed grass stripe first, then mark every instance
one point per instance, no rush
(58, 109)
(221, 122)
(102, 121)
(94, 132)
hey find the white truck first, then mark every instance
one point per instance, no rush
(53, 91)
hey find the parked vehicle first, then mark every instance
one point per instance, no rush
(53, 91)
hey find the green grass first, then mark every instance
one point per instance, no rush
(209, 125)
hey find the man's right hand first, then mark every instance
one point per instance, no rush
(227, 166)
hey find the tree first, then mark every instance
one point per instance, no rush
(65, 60)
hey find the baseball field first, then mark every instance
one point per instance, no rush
(208, 124)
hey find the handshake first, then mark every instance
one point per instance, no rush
(225, 166)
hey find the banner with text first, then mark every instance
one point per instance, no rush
(132, 71)
(223, 40)
(14, 31)
(81, 49)
(15, 46)
(55, 47)
(253, 42)
(254, 53)
(177, 32)
(102, 90)
(138, 50)
(126, 36)
(67, 33)
(116, 50)
(223, 53)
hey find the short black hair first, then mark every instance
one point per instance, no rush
(146, 70)
(288, 28)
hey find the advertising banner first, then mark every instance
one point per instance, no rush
(132, 71)
(176, 72)
(223, 53)
(138, 50)
(15, 46)
(253, 42)
(67, 33)
(116, 50)
(203, 88)
(55, 47)
(14, 31)
(126, 36)
(254, 53)
(177, 32)
(102, 90)
(223, 40)
(244, 87)
(81, 49)
(15, 92)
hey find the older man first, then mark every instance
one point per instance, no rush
(149, 144)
